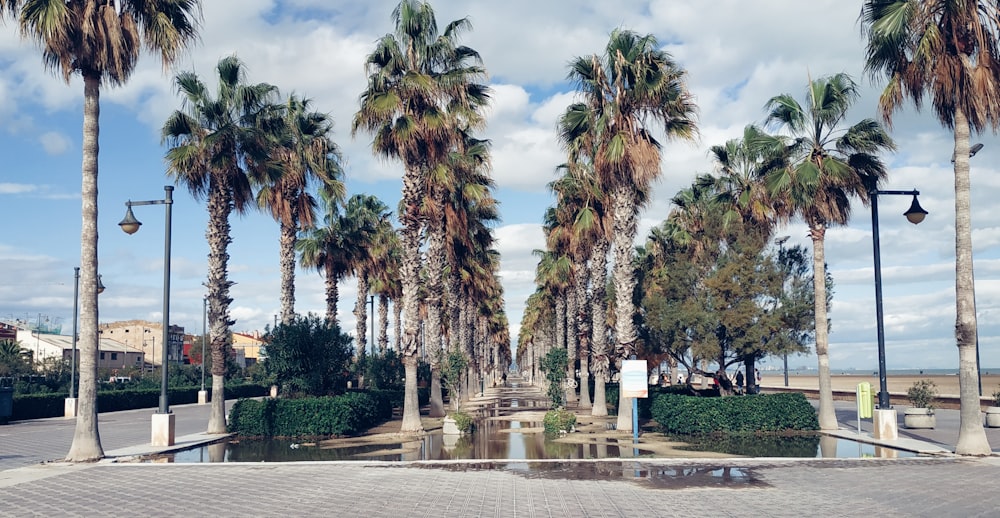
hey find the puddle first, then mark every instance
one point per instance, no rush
(793, 446)
(653, 477)
(492, 440)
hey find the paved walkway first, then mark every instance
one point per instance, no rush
(937, 486)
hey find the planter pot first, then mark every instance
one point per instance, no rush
(919, 418)
(449, 427)
(993, 417)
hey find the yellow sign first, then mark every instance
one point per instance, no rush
(865, 403)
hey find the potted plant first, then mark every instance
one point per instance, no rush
(993, 412)
(922, 396)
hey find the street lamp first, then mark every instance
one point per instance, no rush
(371, 301)
(76, 306)
(915, 214)
(130, 225)
(781, 248)
(204, 325)
(979, 372)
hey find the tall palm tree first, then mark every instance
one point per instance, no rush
(414, 74)
(385, 280)
(366, 220)
(323, 248)
(632, 85)
(307, 156)
(101, 41)
(949, 51)
(829, 164)
(219, 150)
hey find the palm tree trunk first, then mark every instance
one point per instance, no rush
(435, 289)
(971, 435)
(86, 444)
(383, 329)
(397, 310)
(361, 314)
(827, 415)
(409, 271)
(286, 263)
(218, 235)
(625, 220)
(571, 345)
(582, 332)
(598, 325)
(330, 278)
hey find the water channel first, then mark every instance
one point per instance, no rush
(509, 428)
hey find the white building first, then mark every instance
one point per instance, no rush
(112, 354)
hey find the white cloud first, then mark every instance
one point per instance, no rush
(55, 143)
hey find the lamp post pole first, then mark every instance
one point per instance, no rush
(204, 326)
(371, 302)
(915, 214)
(76, 305)
(130, 225)
(781, 249)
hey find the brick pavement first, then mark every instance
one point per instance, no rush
(948, 486)
(924, 487)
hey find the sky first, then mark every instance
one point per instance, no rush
(737, 55)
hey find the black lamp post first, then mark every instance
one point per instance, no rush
(204, 327)
(915, 214)
(76, 306)
(781, 249)
(130, 225)
(371, 302)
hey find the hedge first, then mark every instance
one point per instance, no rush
(690, 415)
(347, 414)
(37, 406)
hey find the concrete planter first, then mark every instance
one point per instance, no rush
(993, 417)
(919, 418)
(449, 427)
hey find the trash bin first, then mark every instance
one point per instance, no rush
(6, 404)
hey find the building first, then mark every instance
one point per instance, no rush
(250, 346)
(111, 354)
(147, 337)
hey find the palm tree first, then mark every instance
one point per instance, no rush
(414, 74)
(219, 151)
(365, 221)
(385, 279)
(101, 41)
(949, 51)
(323, 249)
(630, 86)
(828, 165)
(306, 155)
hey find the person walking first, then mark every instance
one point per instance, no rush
(739, 382)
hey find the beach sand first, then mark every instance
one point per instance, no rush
(947, 385)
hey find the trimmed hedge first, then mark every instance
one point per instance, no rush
(348, 414)
(37, 406)
(645, 404)
(690, 415)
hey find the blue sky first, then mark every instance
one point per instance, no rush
(737, 54)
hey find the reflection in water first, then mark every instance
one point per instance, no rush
(492, 440)
(803, 445)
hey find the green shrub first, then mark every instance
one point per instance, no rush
(559, 420)
(554, 366)
(700, 415)
(347, 414)
(923, 394)
(462, 420)
(38, 406)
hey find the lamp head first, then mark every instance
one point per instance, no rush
(129, 224)
(915, 214)
(100, 285)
